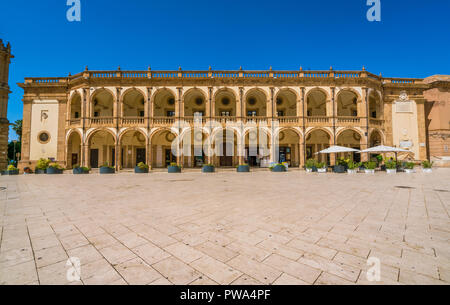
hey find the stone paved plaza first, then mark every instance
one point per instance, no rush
(225, 228)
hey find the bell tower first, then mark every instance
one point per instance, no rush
(5, 60)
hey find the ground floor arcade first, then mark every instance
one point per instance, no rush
(223, 148)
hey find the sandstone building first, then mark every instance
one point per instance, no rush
(5, 60)
(126, 117)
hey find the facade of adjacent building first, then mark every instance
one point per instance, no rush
(125, 117)
(5, 60)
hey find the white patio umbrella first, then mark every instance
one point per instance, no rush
(337, 149)
(384, 149)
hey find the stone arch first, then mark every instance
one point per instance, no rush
(194, 100)
(139, 102)
(102, 151)
(163, 102)
(348, 102)
(225, 109)
(74, 143)
(102, 103)
(286, 100)
(255, 102)
(375, 142)
(288, 146)
(75, 102)
(375, 104)
(316, 140)
(350, 137)
(133, 147)
(162, 150)
(316, 102)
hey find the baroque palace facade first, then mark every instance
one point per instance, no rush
(5, 60)
(126, 117)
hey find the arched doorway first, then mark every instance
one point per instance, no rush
(133, 150)
(316, 141)
(74, 150)
(288, 147)
(192, 141)
(224, 144)
(350, 138)
(101, 148)
(162, 154)
(257, 147)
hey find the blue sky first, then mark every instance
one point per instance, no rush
(412, 39)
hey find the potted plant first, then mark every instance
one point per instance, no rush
(106, 169)
(427, 166)
(10, 171)
(77, 170)
(321, 167)
(278, 168)
(141, 168)
(208, 168)
(174, 168)
(409, 167)
(352, 167)
(54, 169)
(243, 168)
(27, 170)
(41, 166)
(369, 167)
(391, 166)
(310, 165)
(341, 166)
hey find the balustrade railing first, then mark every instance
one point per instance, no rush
(219, 74)
(102, 121)
(132, 120)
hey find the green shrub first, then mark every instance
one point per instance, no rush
(85, 169)
(321, 165)
(55, 165)
(427, 164)
(370, 165)
(42, 164)
(391, 164)
(310, 163)
(353, 165)
(410, 165)
(142, 165)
